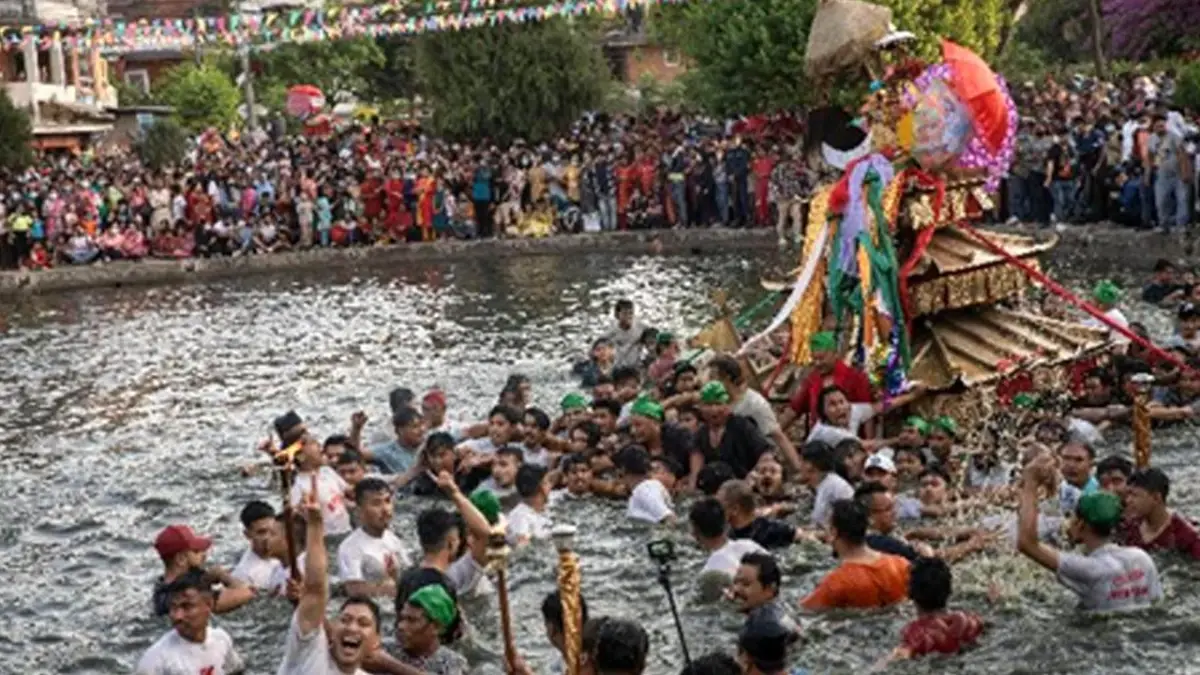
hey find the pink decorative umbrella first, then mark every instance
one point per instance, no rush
(304, 100)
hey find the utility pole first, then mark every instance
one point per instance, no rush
(1098, 39)
(248, 87)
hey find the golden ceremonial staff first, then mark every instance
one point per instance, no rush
(1141, 419)
(569, 580)
(285, 460)
(498, 563)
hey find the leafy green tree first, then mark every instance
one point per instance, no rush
(743, 57)
(162, 144)
(203, 96)
(329, 65)
(1187, 88)
(16, 135)
(511, 80)
(749, 56)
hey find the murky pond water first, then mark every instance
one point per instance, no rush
(127, 410)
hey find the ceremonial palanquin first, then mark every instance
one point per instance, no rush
(891, 259)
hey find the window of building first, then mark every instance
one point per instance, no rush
(138, 78)
(670, 58)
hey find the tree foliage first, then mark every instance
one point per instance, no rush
(329, 65)
(16, 135)
(162, 144)
(743, 57)
(525, 80)
(203, 96)
(1060, 29)
(1187, 88)
(749, 56)
(1159, 27)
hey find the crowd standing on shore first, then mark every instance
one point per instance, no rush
(1087, 151)
(840, 466)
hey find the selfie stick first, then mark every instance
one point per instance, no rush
(664, 578)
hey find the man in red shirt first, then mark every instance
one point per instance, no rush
(936, 630)
(828, 369)
(1151, 525)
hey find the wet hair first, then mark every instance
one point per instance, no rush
(865, 491)
(1162, 265)
(1091, 452)
(826, 393)
(765, 642)
(552, 610)
(573, 460)
(613, 407)
(437, 441)
(1105, 377)
(405, 416)
(338, 439)
(820, 455)
(593, 432)
(621, 647)
(626, 374)
(365, 602)
(842, 452)
(350, 456)
(768, 568)
(850, 520)
(255, 511)
(713, 476)
(1115, 463)
(716, 663)
(510, 451)
(433, 527)
(915, 452)
(529, 480)
(194, 579)
(602, 379)
(623, 304)
(540, 418)
(935, 471)
(507, 412)
(727, 368)
(669, 463)
(1152, 480)
(633, 460)
(513, 384)
(930, 584)
(707, 518)
(401, 397)
(369, 486)
(688, 409)
(648, 335)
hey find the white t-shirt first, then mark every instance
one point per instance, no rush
(650, 502)
(860, 413)
(1111, 578)
(539, 457)
(173, 655)
(755, 406)
(728, 558)
(362, 557)
(523, 521)
(331, 492)
(261, 573)
(308, 654)
(831, 488)
(1116, 316)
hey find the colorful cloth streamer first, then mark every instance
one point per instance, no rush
(802, 282)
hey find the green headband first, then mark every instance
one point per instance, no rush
(573, 401)
(824, 341)
(1025, 400)
(1099, 508)
(946, 424)
(437, 604)
(649, 408)
(1106, 293)
(488, 505)
(918, 423)
(665, 338)
(714, 393)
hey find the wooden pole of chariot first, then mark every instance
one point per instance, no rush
(1141, 419)
(285, 462)
(569, 580)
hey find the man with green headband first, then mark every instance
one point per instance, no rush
(724, 436)
(749, 403)
(1107, 577)
(1106, 295)
(940, 440)
(424, 616)
(574, 410)
(828, 370)
(648, 428)
(913, 433)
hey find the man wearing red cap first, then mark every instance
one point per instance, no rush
(182, 551)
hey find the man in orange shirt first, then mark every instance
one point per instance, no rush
(865, 578)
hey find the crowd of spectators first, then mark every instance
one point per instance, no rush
(1086, 151)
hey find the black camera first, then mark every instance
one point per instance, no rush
(662, 551)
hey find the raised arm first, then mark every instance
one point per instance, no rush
(310, 612)
(476, 523)
(1028, 542)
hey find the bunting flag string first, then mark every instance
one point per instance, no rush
(405, 17)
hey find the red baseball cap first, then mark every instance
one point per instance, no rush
(176, 539)
(435, 396)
